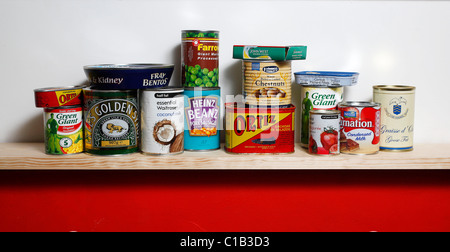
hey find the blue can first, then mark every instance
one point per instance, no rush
(202, 116)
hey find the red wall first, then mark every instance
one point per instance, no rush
(225, 201)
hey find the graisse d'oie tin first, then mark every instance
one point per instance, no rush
(162, 121)
(111, 121)
(202, 117)
(317, 98)
(199, 58)
(360, 127)
(63, 130)
(267, 82)
(324, 132)
(397, 116)
(259, 130)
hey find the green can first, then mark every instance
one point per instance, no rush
(111, 121)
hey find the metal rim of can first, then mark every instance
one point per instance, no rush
(364, 104)
(107, 92)
(394, 88)
(163, 89)
(203, 31)
(63, 107)
(201, 88)
(325, 112)
(318, 86)
(131, 66)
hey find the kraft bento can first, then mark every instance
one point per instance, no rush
(360, 127)
(260, 129)
(317, 98)
(54, 97)
(324, 132)
(111, 121)
(202, 116)
(199, 58)
(397, 116)
(162, 121)
(267, 82)
(63, 130)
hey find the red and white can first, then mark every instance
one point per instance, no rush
(324, 132)
(360, 127)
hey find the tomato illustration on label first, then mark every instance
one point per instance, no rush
(328, 138)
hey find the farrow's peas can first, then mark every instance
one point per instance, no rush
(200, 58)
(111, 121)
(397, 116)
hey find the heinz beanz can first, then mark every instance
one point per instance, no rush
(162, 121)
(324, 132)
(202, 116)
(200, 58)
(111, 121)
(63, 130)
(397, 116)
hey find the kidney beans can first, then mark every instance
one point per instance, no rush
(360, 127)
(317, 98)
(202, 116)
(259, 129)
(200, 58)
(162, 121)
(397, 116)
(63, 127)
(111, 121)
(324, 132)
(267, 83)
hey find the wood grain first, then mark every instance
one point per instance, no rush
(31, 156)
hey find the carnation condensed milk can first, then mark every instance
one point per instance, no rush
(397, 116)
(202, 117)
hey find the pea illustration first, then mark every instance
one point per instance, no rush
(211, 74)
(198, 82)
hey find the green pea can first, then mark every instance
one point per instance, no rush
(200, 58)
(111, 121)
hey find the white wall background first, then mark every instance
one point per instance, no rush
(46, 43)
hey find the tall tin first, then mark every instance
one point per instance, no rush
(162, 121)
(397, 116)
(111, 121)
(317, 98)
(199, 58)
(202, 116)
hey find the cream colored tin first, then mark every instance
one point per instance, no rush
(267, 83)
(397, 116)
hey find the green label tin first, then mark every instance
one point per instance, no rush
(111, 121)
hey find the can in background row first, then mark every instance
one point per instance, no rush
(317, 98)
(111, 121)
(202, 116)
(63, 130)
(324, 132)
(267, 82)
(360, 127)
(162, 121)
(397, 116)
(199, 58)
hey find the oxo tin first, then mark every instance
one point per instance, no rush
(199, 58)
(259, 130)
(111, 121)
(63, 130)
(202, 116)
(360, 127)
(162, 121)
(397, 116)
(324, 132)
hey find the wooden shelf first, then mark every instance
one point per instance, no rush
(31, 156)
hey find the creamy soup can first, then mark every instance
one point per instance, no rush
(397, 116)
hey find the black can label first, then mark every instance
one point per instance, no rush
(112, 123)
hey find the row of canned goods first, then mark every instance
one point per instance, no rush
(114, 122)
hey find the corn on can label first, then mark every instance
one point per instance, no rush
(63, 130)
